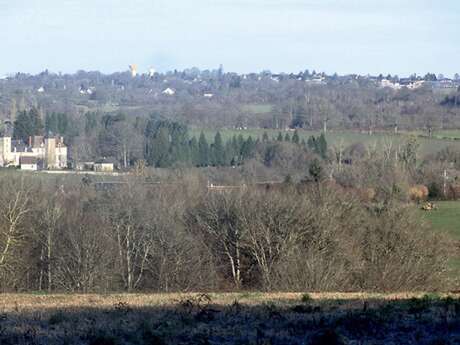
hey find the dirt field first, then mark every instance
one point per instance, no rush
(244, 318)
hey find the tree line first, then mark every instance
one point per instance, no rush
(287, 100)
(67, 234)
(31, 122)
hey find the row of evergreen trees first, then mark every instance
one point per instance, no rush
(315, 144)
(29, 123)
(168, 144)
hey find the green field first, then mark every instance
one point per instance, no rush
(449, 133)
(346, 138)
(452, 134)
(258, 108)
(447, 219)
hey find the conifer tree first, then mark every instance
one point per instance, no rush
(248, 148)
(280, 137)
(51, 123)
(159, 152)
(287, 138)
(194, 152)
(218, 151)
(179, 143)
(316, 170)
(203, 151)
(236, 152)
(229, 154)
(62, 123)
(295, 138)
(27, 124)
(322, 146)
(37, 121)
(265, 137)
(240, 141)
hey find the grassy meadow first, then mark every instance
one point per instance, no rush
(446, 219)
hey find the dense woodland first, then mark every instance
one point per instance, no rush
(135, 235)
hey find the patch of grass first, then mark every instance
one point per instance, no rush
(446, 218)
(258, 108)
(432, 296)
(39, 293)
(250, 295)
(448, 133)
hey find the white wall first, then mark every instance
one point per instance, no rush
(31, 167)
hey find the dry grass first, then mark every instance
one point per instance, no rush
(14, 302)
(230, 318)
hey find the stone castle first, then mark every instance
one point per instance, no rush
(39, 153)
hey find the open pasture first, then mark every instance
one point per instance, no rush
(446, 219)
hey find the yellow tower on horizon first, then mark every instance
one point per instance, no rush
(133, 70)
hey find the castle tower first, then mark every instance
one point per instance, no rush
(5, 151)
(50, 153)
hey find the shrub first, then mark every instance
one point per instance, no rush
(306, 298)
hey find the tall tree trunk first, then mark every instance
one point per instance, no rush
(40, 277)
(50, 280)
(129, 271)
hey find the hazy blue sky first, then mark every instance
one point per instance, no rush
(345, 36)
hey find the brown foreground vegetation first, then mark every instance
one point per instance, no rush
(232, 318)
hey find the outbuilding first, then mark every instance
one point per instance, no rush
(28, 163)
(103, 166)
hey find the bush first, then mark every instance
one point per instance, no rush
(306, 298)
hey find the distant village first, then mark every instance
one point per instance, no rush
(195, 76)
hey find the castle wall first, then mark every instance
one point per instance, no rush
(50, 153)
(5, 151)
(53, 153)
(61, 154)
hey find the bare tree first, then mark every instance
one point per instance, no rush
(14, 208)
(217, 223)
(128, 215)
(48, 228)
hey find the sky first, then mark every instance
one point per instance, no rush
(344, 36)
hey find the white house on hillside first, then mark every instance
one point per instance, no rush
(169, 92)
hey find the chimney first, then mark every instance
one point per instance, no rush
(30, 141)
